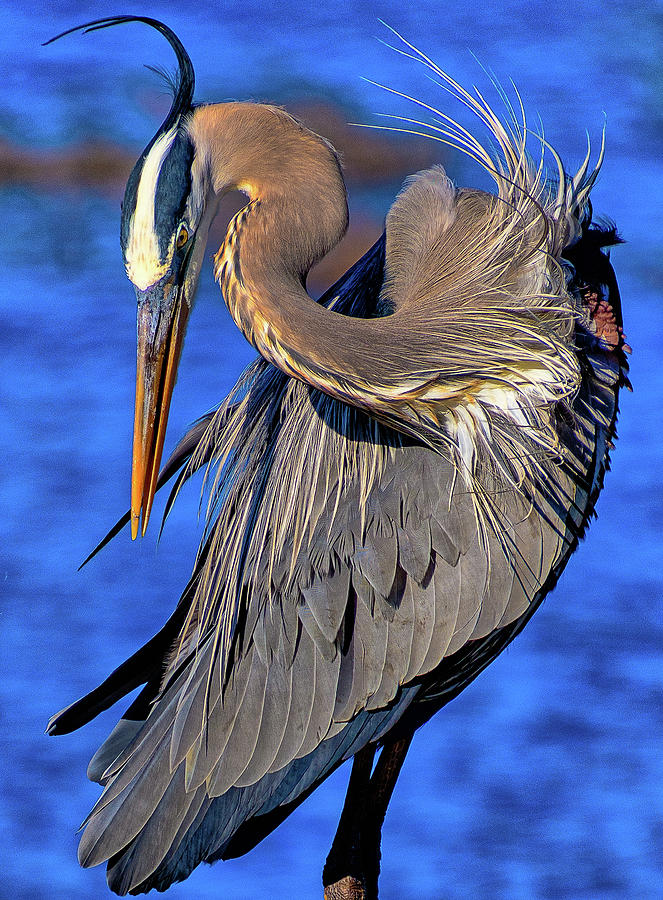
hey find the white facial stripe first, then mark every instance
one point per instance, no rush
(144, 267)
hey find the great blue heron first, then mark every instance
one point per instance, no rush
(400, 478)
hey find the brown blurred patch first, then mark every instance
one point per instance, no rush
(369, 157)
(87, 165)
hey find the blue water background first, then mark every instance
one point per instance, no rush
(545, 778)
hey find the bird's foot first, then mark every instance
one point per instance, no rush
(347, 888)
(603, 320)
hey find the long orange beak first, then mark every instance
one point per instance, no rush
(161, 328)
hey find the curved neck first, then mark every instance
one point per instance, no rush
(297, 213)
(264, 288)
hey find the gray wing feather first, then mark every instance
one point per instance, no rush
(121, 818)
(189, 717)
(473, 569)
(243, 736)
(301, 703)
(362, 664)
(211, 733)
(121, 870)
(377, 563)
(322, 643)
(278, 693)
(327, 599)
(398, 645)
(197, 702)
(180, 857)
(159, 832)
(414, 549)
(442, 542)
(423, 626)
(117, 741)
(444, 593)
(496, 599)
(322, 710)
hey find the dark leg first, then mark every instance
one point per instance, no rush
(383, 782)
(342, 875)
(353, 865)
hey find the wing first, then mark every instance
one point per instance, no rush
(325, 660)
(330, 648)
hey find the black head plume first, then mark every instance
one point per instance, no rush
(180, 157)
(184, 84)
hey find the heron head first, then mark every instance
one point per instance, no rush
(165, 221)
(159, 212)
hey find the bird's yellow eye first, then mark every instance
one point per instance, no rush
(182, 236)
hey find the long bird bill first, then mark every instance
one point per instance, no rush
(162, 318)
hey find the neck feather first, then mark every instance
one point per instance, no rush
(296, 214)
